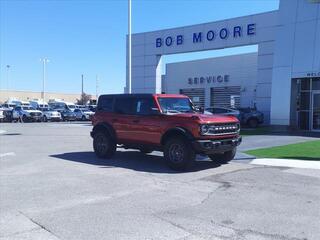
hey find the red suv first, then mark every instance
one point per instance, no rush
(163, 122)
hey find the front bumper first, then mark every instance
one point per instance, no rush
(70, 118)
(54, 118)
(216, 146)
(35, 117)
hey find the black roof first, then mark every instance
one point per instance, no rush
(127, 95)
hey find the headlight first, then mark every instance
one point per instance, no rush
(204, 129)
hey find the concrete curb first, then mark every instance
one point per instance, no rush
(287, 163)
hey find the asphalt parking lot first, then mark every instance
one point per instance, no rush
(53, 187)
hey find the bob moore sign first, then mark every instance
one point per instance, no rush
(211, 35)
(208, 79)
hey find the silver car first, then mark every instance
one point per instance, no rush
(26, 113)
(83, 114)
(49, 114)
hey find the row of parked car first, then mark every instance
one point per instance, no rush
(63, 111)
(29, 111)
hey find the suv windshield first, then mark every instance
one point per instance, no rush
(176, 105)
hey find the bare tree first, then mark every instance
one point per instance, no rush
(85, 98)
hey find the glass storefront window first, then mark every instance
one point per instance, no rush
(304, 120)
(305, 84)
(305, 101)
(316, 84)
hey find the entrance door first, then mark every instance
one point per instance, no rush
(316, 111)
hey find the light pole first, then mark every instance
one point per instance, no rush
(8, 69)
(97, 87)
(129, 46)
(44, 62)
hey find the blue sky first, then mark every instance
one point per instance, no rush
(88, 37)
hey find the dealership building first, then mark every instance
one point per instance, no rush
(281, 79)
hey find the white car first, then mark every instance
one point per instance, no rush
(83, 114)
(49, 114)
(26, 113)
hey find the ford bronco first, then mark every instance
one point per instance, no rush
(164, 122)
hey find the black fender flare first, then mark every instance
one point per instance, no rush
(105, 127)
(176, 131)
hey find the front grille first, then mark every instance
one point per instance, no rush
(224, 128)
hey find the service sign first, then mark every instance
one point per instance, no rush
(208, 79)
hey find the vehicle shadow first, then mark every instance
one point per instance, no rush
(132, 160)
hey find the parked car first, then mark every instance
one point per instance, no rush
(83, 114)
(5, 114)
(39, 104)
(60, 104)
(92, 107)
(49, 114)
(67, 115)
(251, 117)
(11, 106)
(224, 111)
(164, 122)
(26, 113)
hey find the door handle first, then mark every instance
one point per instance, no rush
(136, 121)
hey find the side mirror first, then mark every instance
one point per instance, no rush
(199, 109)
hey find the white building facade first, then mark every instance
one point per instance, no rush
(215, 81)
(287, 68)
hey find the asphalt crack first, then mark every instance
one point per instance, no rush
(39, 224)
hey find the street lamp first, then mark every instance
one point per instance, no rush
(8, 69)
(44, 62)
(129, 46)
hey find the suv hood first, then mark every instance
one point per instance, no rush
(207, 118)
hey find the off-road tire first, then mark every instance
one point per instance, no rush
(24, 118)
(179, 154)
(104, 145)
(223, 157)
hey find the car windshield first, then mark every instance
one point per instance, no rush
(27, 108)
(176, 105)
(71, 106)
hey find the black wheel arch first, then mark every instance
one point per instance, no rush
(177, 132)
(104, 127)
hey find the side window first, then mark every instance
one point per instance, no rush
(105, 104)
(219, 110)
(144, 106)
(125, 106)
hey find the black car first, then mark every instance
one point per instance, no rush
(251, 117)
(68, 115)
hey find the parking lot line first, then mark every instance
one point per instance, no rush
(7, 154)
